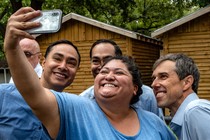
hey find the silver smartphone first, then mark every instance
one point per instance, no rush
(50, 22)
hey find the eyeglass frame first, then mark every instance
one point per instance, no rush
(29, 54)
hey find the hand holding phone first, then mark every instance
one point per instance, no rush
(50, 22)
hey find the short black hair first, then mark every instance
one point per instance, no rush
(116, 47)
(63, 41)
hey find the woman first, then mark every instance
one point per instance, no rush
(68, 116)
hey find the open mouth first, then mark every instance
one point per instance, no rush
(159, 94)
(61, 75)
(109, 85)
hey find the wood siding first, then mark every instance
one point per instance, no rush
(145, 55)
(84, 35)
(193, 39)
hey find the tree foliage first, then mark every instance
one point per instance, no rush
(143, 16)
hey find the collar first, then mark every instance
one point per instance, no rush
(179, 115)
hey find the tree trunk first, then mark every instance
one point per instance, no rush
(37, 4)
(16, 4)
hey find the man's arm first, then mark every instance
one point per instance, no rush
(41, 101)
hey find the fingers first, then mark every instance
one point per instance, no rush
(20, 20)
(17, 24)
(23, 10)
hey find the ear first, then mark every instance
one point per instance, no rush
(188, 81)
(40, 55)
(135, 89)
(43, 63)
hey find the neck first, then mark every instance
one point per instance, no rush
(126, 122)
(51, 87)
(175, 106)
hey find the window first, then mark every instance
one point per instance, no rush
(4, 75)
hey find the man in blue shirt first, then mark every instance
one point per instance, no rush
(17, 120)
(103, 49)
(175, 84)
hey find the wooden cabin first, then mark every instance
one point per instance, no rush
(190, 35)
(83, 32)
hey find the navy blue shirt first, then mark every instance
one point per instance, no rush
(17, 121)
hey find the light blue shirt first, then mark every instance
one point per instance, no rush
(196, 124)
(147, 100)
(82, 119)
(177, 120)
(17, 121)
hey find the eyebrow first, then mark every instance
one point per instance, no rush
(115, 69)
(97, 57)
(61, 55)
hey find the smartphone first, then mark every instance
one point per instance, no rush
(50, 22)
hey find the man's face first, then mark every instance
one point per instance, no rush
(167, 86)
(100, 53)
(60, 66)
(32, 53)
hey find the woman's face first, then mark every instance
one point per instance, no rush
(114, 82)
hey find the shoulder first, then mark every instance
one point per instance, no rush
(150, 121)
(66, 100)
(146, 88)
(147, 92)
(199, 104)
(197, 112)
(89, 93)
(147, 116)
(8, 87)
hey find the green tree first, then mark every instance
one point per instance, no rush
(143, 16)
(9, 7)
(201, 3)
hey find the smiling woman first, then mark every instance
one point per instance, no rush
(121, 72)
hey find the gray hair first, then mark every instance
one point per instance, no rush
(184, 66)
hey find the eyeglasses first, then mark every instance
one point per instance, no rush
(29, 54)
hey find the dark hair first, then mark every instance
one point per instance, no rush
(116, 47)
(184, 66)
(134, 71)
(49, 48)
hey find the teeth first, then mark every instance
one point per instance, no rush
(60, 75)
(109, 85)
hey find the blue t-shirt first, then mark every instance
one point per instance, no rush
(17, 121)
(82, 119)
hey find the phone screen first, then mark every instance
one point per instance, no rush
(50, 22)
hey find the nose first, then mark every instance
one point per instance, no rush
(63, 65)
(99, 66)
(102, 62)
(155, 84)
(110, 76)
